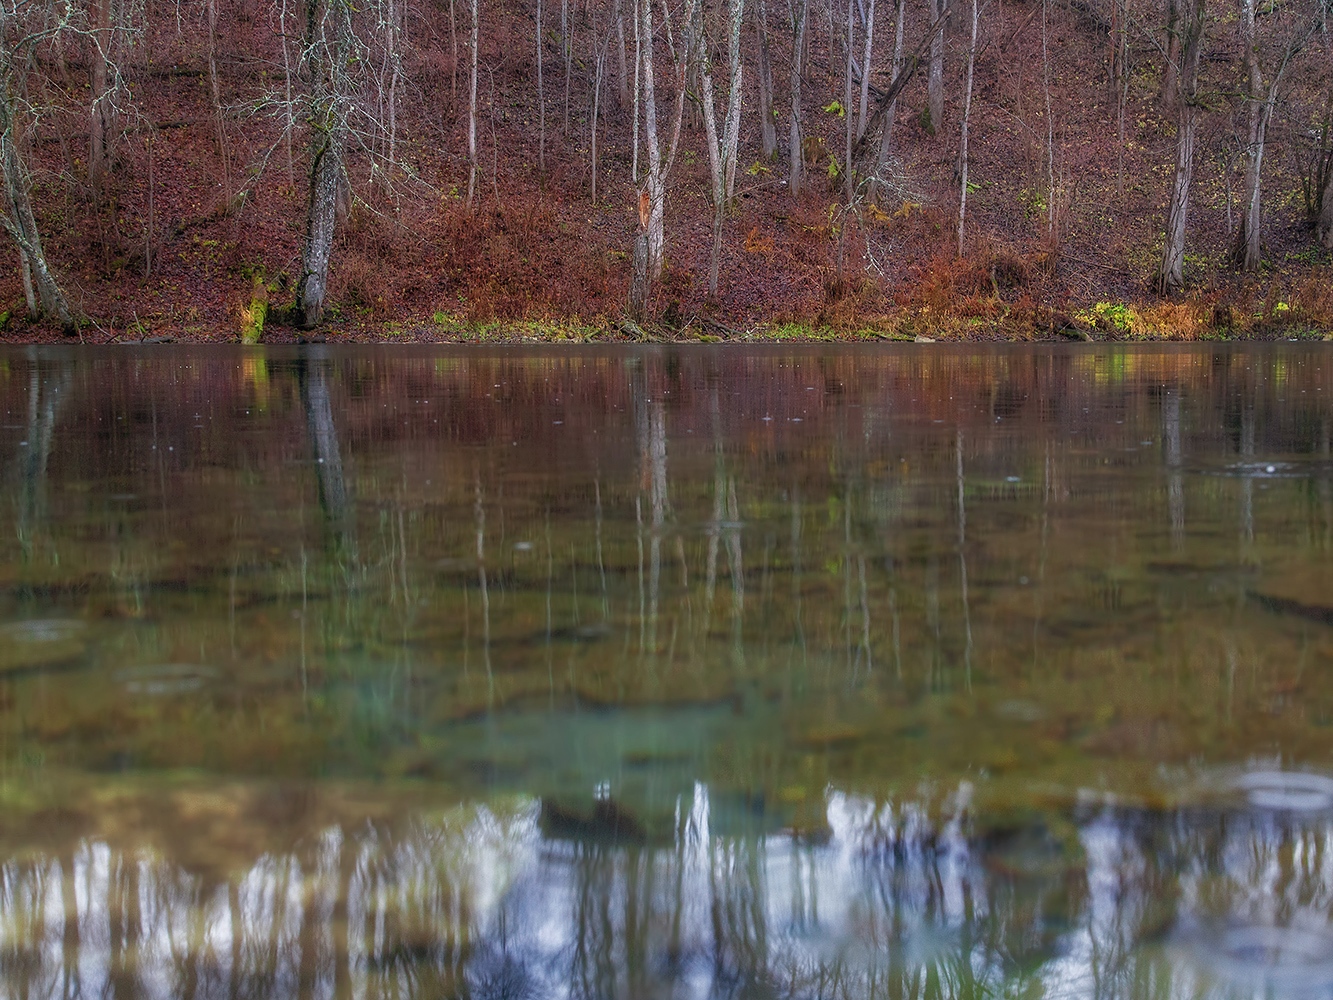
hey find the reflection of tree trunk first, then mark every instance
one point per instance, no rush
(45, 399)
(333, 498)
(962, 566)
(1175, 483)
(1247, 480)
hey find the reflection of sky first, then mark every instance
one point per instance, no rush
(898, 900)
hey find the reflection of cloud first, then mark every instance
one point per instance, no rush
(903, 898)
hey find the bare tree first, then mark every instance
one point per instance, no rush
(967, 117)
(325, 61)
(1245, 249)
(473, 168)
(722, 148)
(651, 238)
(1171, 271)
(24, 29)
(863, 109)
(890, 112)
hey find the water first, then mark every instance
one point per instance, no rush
(901, 672)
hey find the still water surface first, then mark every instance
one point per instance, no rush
(825, 673)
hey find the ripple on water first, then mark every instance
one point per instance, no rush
(165, 679)
(1265, 470)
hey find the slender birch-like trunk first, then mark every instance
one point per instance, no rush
(474, 168)
(868, 54)
(848, 45)
(967, 118)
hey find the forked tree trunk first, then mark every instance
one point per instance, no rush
(44, 296)
(651, 237)
(1247, 246)
(1171, 271)
(722, 148)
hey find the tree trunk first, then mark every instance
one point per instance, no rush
(541, 98)
(651, 238)
(215, 88)
(473, 168)
(890, 113)
(1171, 71)
(567, 49)
(1171, 272)
(722, 149)
(848, 44)
(1050, 129)
(1324, 228)
(44, 296)
(638, 91)
(796, 168)
(99, 133)
(865, 71)
(935, 74)
(1246, 249)
(967, 117)
(599, 64)
(768, 133)
(622, 78)
(326, 65)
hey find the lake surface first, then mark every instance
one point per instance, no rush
(826, 673)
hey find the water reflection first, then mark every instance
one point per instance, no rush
(902, 898)
(746, 674)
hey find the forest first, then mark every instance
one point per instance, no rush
(665, 169)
